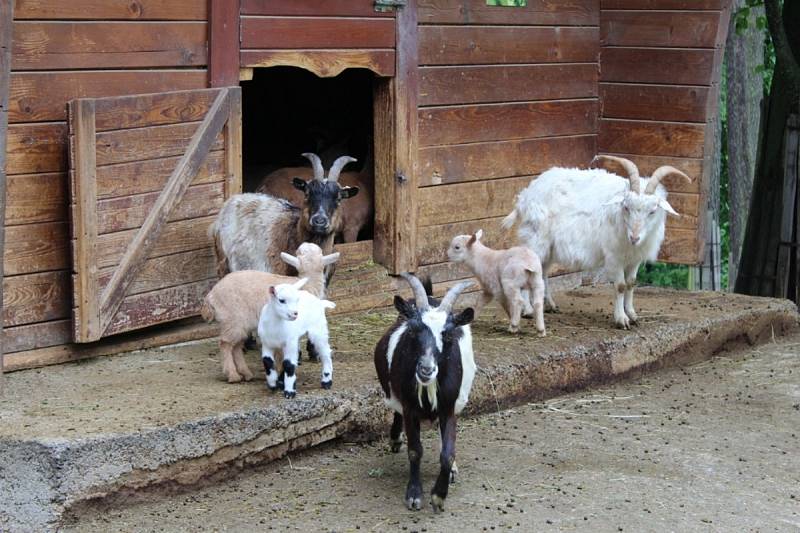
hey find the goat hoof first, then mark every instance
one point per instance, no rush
(513, 329)
(289, 394)
(414, 498)
(327, 384)
(542, 333)
(437, 502)
(273, 388)
(234, 378)
(395, 446)
(453, 474)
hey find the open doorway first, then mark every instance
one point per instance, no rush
(287, 111)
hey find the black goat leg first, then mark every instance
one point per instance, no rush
(447, 458)
(395, 440)
(414, 488)
(312, 351)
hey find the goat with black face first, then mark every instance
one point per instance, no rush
(426, 367)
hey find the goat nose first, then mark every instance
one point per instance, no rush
(425, 370)
(318, 220)
(634, 239)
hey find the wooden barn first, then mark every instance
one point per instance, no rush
(126, 123)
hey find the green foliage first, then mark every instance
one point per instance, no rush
(663, 275)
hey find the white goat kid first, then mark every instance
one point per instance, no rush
(290, 314)
(593, 219)
(512, 276)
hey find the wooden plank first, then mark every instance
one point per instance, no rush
(100, 45)
(647, 165)
(657, 28)
(316, 8)
(506, 83)
(36, 298)
(469, 201)
(223, 43)
(136, 311)
(654, 102)
(42, 96)
(122, 146)
(485, 161)
(492, 122)
(36, 336)
(434, 240)
(316, 32)
(651, 138)
(34, 148)
(6, 21)
(148, 110)
(470, 45)
(171, 195)
(36, 248)
(663, 4)
(323, 63)
(126, 212)
(32, 198)
(654, 65)
(233, 145)
(167, 271)
(791, 152)
(680, 247)
(111, 10)
(141, 177)
(177, 237)
(84, 220)
(537, 12)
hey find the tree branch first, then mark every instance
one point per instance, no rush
(783, 49)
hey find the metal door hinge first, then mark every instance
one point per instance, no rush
(383, 6)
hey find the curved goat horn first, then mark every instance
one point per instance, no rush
(628, 165)
(316, 164)
(338, 165)
(420, 296)
(450, 298)
(661, 173)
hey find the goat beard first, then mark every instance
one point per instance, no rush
(431, 389)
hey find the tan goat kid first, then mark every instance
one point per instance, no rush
(512, 276)
(235, 302)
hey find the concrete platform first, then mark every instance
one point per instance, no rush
(114, 426)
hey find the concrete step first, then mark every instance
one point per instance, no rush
(115, 426)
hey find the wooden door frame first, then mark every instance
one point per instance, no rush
(6, 24)
(223, 42)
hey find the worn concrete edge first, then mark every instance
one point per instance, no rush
(69, 473)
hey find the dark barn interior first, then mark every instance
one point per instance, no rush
(287, 111)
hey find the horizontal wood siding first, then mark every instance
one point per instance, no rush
(505, 93)
(659, 70)
(77, 49)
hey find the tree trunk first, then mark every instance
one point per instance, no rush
(758, 265)
(744, 52)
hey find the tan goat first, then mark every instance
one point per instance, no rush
(235, 302)
(512, 276)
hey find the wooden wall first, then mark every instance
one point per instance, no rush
(505, 93)
(65, 50)
(659, 71)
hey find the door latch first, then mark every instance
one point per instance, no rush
(384, 6)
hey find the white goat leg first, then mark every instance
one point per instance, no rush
(630, 284)
(483, 300)
(537, 296)
(268, 358)
(620, 318)
(291, 353)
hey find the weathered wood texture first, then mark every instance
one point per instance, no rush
(6, 19)
(223, 43)
(82, 49)
(127, 236)
(505, 93)
(322, 36)
(659, 85)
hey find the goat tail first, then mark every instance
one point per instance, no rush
(207, 311)
(510, 219)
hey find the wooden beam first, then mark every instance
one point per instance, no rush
(6, 19)
(223, 43)
(170, 196)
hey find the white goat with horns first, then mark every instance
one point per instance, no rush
(593, 219)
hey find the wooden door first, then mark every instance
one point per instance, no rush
(148, 174)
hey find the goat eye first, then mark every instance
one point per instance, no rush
(281, 300)
(653, 212)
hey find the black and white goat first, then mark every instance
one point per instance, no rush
(426, 367)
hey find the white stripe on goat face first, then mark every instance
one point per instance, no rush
(435, 320)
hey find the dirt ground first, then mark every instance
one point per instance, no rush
(710, 447)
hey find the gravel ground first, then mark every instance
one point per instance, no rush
(710, 447)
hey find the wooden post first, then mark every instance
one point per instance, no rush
(396, 152)
(223, 43)
(6, 19)
(233, 143)
(788, 242)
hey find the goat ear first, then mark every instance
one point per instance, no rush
(472, 240)
(478, 235)
(299, 184)
(403, 307)
(290, 260)
(272, 290)
(464, 317)
(347, 192)
(663, 204)
(330, 259)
